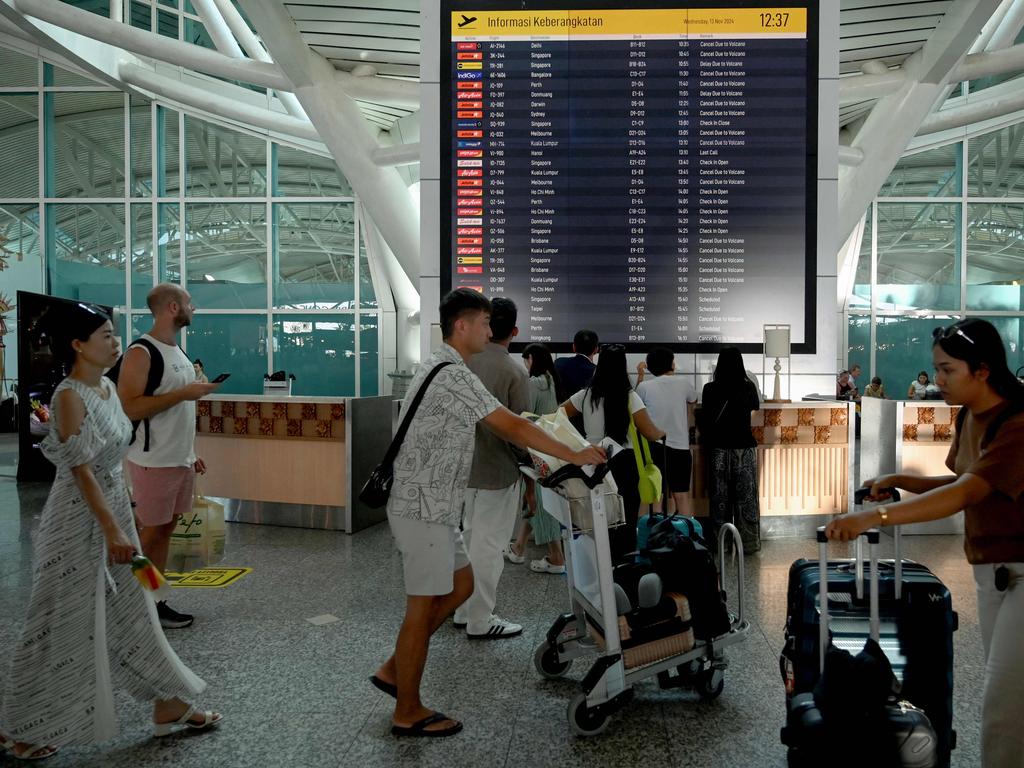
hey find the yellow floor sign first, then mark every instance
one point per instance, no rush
(209, 578)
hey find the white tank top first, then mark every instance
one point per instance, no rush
(172, 433)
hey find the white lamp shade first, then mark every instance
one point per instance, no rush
(776, 342)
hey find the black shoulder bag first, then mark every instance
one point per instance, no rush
(377, 489)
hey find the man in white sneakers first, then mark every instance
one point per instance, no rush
(158, 389)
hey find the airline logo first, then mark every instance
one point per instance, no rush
(469, 211)
(469, 222)
(470, 104)
(469, 65)
(470, 260)
(469, 163)
(477, 288)
(469, 182)
(466, 95)
(470, 241)
(465, 251)
(469, 76)
(469, 113)
(470, 193)
(469, 56)
(470, 231)
(464, 172)
(469, 153)
(469, 86)
(469, 270)
(467, 46)
(469, 134)
(469, 124)
(469, 144)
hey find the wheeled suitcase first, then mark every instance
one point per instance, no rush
(916, 625)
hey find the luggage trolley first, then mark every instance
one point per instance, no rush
(592, 627)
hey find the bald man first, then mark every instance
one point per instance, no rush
(162, 461)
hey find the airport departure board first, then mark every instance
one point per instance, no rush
(648, 172)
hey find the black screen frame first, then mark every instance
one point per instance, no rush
(809, 343)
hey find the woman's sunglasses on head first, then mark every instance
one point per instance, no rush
(949, 332)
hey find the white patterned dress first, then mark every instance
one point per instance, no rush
(89, 626)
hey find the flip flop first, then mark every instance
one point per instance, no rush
(40, 752)
(383, 685)
(419, 728)
(183, 723)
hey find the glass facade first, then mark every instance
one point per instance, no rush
(937, 260)
(108, 194)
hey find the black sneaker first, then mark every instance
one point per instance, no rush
(171, 619)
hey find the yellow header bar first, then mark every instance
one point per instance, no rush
(661, 22)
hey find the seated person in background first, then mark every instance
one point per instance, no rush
(918, 387)
(668, 399)
(875, 389)
(845, 388)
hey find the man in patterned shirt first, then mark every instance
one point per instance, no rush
(425, 508)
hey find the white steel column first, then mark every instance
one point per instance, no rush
(218, 29)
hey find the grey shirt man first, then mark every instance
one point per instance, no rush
(494, 462)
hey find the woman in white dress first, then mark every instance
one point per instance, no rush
(90, 625)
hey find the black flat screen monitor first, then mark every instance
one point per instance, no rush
(646, 171)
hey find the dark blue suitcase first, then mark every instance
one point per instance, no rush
(916, 625)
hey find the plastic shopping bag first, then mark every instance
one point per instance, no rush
(198, 539)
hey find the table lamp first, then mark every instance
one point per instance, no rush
(776, 344)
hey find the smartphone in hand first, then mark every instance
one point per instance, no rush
(221, 378)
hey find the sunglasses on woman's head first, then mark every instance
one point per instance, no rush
(949, 332)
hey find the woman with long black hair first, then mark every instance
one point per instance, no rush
(988, 484)
(726, 404)
(607, 406)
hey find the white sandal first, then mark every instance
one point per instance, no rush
(32, 753)
(210, 719)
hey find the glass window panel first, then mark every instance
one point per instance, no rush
(19, 126)
(168, 243)
(18, 69)
(167, 24)
(100, 7)
(1012, 331)
(319, 350)
(369, 355)
(142, 322)
(314, 245)
(222, 162)
(141, 15)
(141, 147)
(174, 4)
(304, 174)
(994, 161)
(57, 76)
(935, 173)
(86, 134)
(21, 270)
(918, 256)
(235, 344)
(85, 252)
(859, 347)
(141, 264)
(995, 256)
(196, 34)
(860, 296)
(226, 255)
(903, 348)
(167, 151)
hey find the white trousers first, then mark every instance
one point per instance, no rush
(1001, 619)
(488, 521)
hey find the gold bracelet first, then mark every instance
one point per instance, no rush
(883, 516)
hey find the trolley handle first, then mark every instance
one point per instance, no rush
(872, 537)
(737, 542)
(573, 472)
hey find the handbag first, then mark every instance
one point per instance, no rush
(650, 475)
(198, 538)
(377, 487)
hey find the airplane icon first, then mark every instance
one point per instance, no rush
(466, 20)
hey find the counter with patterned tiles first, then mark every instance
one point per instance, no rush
(281, 420)
(826, 424)
(929, 423)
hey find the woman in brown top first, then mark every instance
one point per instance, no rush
(987, 458)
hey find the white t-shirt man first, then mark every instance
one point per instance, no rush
(666, 398)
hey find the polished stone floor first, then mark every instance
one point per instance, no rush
(295, 694)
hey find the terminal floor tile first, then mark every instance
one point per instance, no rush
(295, 693)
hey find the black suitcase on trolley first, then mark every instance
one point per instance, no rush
(917, 622)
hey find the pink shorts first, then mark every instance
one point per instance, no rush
(161, 493)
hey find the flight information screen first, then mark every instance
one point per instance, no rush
(648, 173)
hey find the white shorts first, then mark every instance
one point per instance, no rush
(431, 553)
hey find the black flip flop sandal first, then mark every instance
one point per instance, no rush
(383, 685)
(419, 728)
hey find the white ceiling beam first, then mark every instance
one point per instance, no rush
(217, 28)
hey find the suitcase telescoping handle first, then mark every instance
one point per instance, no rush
(897, 535)
(872, 537)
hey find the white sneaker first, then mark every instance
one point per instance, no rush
(495, 629)
(544, 566)
(511, 556)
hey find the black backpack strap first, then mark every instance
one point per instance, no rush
(153, 379)
(396, 443)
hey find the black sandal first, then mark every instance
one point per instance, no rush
(383, 685)
(419, 728)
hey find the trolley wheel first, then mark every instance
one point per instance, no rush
(584, 720)
(546, 660)
(710, 684)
